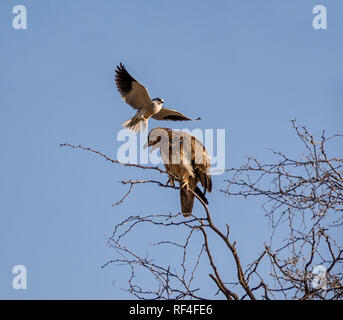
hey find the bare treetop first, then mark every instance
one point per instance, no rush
(302, 257)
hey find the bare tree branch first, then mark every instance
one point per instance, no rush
(303, 201)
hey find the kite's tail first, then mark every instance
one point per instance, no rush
(136, 124)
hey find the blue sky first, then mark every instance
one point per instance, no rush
(246, 66)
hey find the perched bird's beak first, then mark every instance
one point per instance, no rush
(148, 144)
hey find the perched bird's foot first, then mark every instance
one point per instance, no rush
(185, 185)
(171, 182)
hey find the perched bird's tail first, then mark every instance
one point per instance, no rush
(136, 124)
(187, 200)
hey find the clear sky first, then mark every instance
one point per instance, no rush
(246, 66)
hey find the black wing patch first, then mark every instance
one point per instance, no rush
(175, 118)
(123, 79)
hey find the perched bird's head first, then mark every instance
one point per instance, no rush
(157, 138)
(158, 100)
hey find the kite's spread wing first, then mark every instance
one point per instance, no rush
(170, 114)
(133, 92)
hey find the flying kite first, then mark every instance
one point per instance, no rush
(186, 160)
(137, 96)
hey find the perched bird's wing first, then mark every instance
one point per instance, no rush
(201, 195)
(202, 163)
(170, 114)
(204, 177)
(133, 92)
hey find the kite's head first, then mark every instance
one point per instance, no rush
(159, 101)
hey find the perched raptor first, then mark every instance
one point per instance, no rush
(137, 96)
(186, 160)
